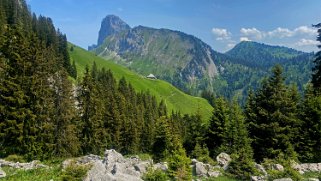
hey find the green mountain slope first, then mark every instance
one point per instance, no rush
(181, 59)
(249, 62)
(261, 55)
(174, 98)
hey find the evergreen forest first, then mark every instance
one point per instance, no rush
(47, 111)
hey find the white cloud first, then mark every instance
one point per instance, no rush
(244, 39)
(305, 30)
(306, 42)
(221, 33)
(281, 33)
(301, 37)
(252, 32)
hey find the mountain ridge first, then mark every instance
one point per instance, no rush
(193, 66)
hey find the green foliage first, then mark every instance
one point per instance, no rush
(242, 166)
(201, 153)
(272, 115)
(217, 126)
(308, 142)
(179, 165)
(74, 172)
(35, 174)
(288, 172)
(316, 76)
(155, 175)
(15, 158)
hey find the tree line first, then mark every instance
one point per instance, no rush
(44, 115)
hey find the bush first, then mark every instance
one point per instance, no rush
(75, 172)
(179, 165)
(202, 154)
(15, 158)
(155, 175)
(288, 172)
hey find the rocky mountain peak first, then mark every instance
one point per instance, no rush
(110, 25)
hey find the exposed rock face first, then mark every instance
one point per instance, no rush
(170, 55)
(111, 24)
(26, 166)
(113, 166)
(223, 160)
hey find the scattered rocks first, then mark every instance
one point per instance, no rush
(307, 167)
(214, 173)
(261, 169)
(283, 179)
(162, 166)
(313, 179)
(2, 173)
(205, 170)
(223, 160)
(258, 178)
(26, 166)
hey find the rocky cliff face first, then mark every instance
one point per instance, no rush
(170, 55)
(110, 25)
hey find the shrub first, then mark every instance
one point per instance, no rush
(155, 175)
(15, 158)
(75, 172)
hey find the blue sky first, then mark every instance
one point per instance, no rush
(219, 23)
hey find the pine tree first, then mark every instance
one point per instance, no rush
(310, 132)
(217, 126)
(94, 134)
(316, 76)
(65, 133)
(272, 115)
(17, 127)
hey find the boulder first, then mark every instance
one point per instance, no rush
(200, 169)
(223, 160)
(142, 166)
(162, 166)
(213, 173)
(278, 167)
(113, 166)
(258, 178)
(2, 173)
(261, 169)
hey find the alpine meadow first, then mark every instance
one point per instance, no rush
(181, 90)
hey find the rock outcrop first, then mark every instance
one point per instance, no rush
(113, 166)
(110, 25)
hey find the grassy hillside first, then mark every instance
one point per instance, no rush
(174, 98)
